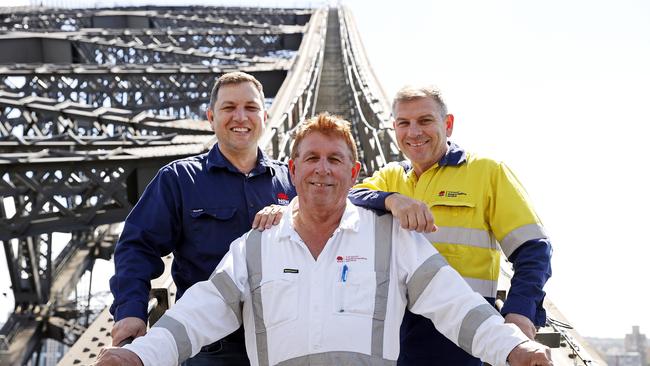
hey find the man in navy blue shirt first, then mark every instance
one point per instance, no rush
(194, 208)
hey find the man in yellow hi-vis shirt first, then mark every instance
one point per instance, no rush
(476, 203)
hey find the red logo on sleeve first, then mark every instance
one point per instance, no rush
(283, 198)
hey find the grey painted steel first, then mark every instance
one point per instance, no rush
(35, 167)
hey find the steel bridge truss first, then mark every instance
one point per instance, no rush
(88, 116)
(94, 101)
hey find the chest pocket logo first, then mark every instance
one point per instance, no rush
(356, 296)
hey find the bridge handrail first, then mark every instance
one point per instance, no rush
(296, 98)
(379, 145)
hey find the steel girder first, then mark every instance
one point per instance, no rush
(252, 42)
(178, 91)
(30, 123)
(24, 19)
(70, 161)
(33, 321)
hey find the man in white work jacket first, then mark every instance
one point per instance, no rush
(329, 284)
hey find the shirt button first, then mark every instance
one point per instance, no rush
(251, 205)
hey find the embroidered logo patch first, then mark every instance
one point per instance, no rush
(451, 194)
(283, 198)
(349, 258)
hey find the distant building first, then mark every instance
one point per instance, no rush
(624, 359)
(637, 342)
(633, 350)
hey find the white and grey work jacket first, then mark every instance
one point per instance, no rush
(344, 308)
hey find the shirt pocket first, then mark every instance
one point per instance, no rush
(453, 213)
(356, 296)
(279, 300)
(210, 224)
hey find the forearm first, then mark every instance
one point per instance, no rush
(370, 199)
(137, 261)
(532, 268)
(202, 316)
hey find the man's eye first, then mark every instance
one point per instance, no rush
(253, 108)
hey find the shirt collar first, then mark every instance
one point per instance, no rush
(216, 159)
(455, 155)
(349, 221)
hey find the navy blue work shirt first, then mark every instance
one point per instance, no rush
(194, 208)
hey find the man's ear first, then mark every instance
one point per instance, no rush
(209, 113)
(355, 171)
(449, 124)
(292, 169)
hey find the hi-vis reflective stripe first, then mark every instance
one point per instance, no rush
(383, 248)
(485, 288)
(520, 235)
(460, 235)
(471, 322)
(337, 358)
(423, 276)
(254, 265)
(178, 331)
(229, 291)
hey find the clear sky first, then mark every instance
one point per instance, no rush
(559, 91)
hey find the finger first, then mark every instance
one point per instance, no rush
(270, 219)
(424, 223)
(413, 221)
(263, 222)
(403, 220)
(117, 339)
(431, 225)
(277, 219)
(256, 220)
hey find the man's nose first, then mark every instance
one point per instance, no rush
(323, 167)
(240, 113)
(414, 130)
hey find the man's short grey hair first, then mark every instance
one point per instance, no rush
(410, 92)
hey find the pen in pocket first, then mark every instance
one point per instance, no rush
(344, 273)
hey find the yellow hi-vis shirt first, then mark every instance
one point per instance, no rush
(474, 204)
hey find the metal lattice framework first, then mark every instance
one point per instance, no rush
(94, 101)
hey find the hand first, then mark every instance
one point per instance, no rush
(412, 214)
(117, 357)
(523, 323)
(128, 327)
(267, 217)
(530, 353)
